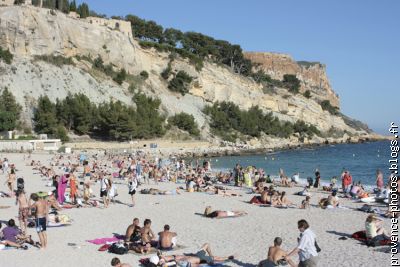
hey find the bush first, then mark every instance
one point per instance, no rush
(121, 76)
(185, 122)
(326, 105)
(307, 94)
(6, 56)
(166, 72)
(98, 63)
(291, 82)
(58, 61)
(144, 74)
(180, 82)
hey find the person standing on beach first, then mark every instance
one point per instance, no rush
(132, 185)
(10, 181)
(104, 188)
(306, 248)
(41, 216)
(23, 209)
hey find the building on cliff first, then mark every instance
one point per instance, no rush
(113, 24)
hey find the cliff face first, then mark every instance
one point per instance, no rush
(311, 74)
(29, 31)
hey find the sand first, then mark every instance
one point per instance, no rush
(246, 237)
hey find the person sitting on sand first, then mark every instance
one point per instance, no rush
(115, 262)
(283, 200)
(133, 232)
(9, 236)
(167, 239)
(53, 203)
(146, 233)
(305, 204)
(274, 198)
(276, 256)
(204, 255)
(374, 229)
(222, 214)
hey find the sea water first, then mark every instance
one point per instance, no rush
(362, 160)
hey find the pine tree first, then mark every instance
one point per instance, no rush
(9, 111)
(44, 118)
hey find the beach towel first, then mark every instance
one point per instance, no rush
(154, 250)
(105, 240)
(145, 262)
(362, 236)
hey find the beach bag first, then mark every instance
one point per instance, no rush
(118, 248)
(20, 183)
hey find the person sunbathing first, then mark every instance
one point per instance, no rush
(222, 214)
(274, 198)
(276, 256)
(116, 262)
(133, 232)
(53, 201)
(11, 236)
(283, 200)
(204, 255)
(305, 204)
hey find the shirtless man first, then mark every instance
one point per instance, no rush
(146, 232)
(222, 214)
(41, 215)
(53, 203)
(276, 256)
(203, 255)
(23, 209)
(133, 232)
(166, 238)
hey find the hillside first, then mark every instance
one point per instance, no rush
(29, 32)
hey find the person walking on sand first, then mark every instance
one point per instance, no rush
(307, 248)
(41, 215)
(132, 185)
(10, 181)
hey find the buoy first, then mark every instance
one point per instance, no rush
(354, 155)
(273, 158)
(216, 160)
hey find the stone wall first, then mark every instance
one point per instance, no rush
(114, 24)
(15, 146)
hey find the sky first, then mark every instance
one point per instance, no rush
(357, 40)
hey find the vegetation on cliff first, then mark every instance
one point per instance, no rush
(9, 111)
(109, 121)
(227, 120)
(6, 56)
(185, 122)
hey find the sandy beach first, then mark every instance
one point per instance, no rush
(247, 237)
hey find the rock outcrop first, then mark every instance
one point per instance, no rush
(31, 31)
(311, 74)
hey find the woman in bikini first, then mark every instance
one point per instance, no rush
(222, 214)
(10, 181)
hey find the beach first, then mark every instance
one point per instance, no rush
(247, 237)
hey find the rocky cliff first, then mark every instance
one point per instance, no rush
(30, 31)
(311, 74)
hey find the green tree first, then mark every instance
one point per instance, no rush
(180, 82)
(291, 82)
(9, 111)
(326, 105)
(72, 6)
(185, 122)
(83, 10)
(150, 123)
(44, 118)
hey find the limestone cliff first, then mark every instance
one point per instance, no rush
(30, 31)
(311, 74)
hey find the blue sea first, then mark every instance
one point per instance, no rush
(362, 160)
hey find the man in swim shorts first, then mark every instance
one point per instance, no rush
(41, 215)
(166, 238)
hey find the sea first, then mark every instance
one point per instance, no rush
(362, 160)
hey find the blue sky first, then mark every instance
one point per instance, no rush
(358, 40)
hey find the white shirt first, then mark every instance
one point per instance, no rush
(307, 245)
(104, 184)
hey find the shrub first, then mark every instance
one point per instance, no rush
(291, 82)
(121, 76)
(58, 61)
(6, 56)
(307, 94)
(180, 82)
(166, 72)
(144, 74)
(185, 122)
(326, 105)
